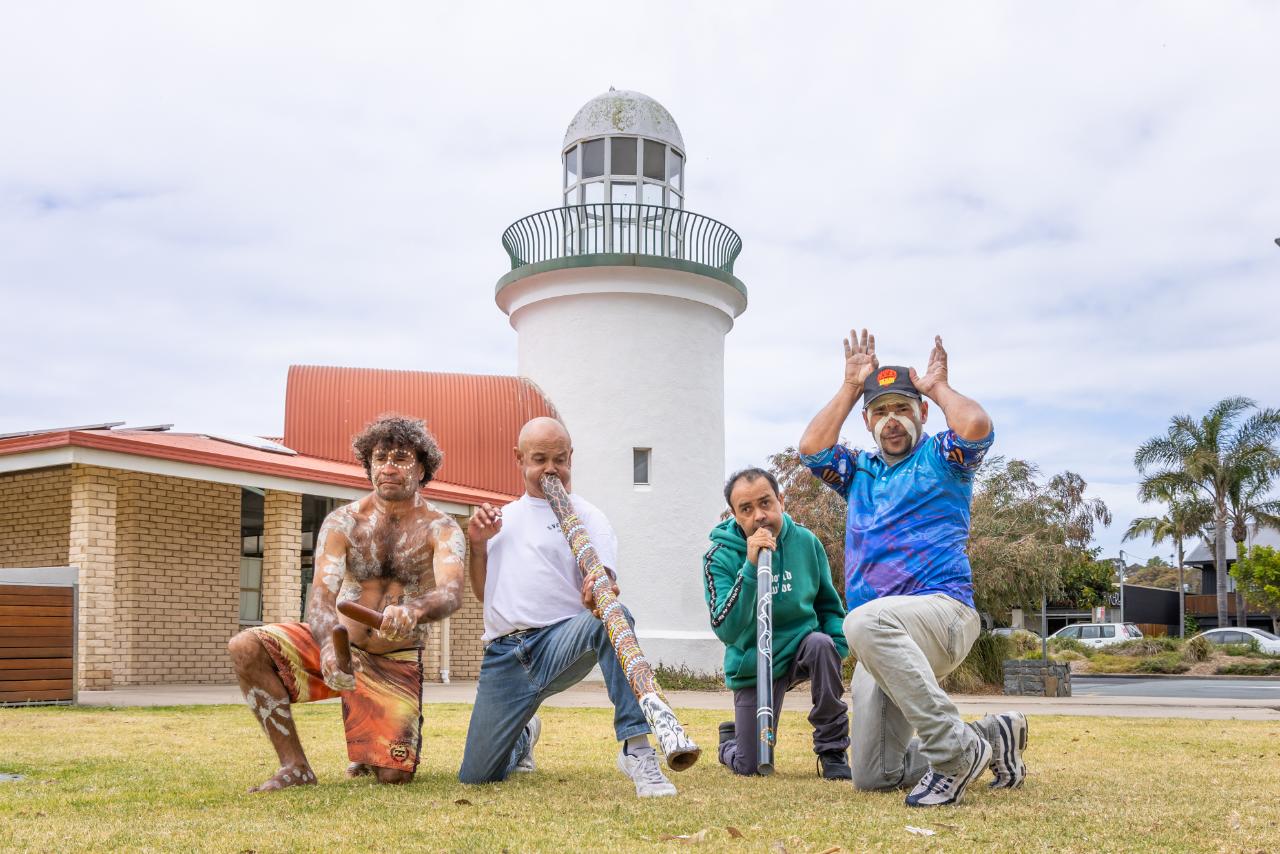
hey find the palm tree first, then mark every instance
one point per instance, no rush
(1248, 507)
(1186, 517)
(1226, 447)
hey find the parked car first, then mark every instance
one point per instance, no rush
(1099, 634)
(1267, 642)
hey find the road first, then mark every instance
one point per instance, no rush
(1199, 689)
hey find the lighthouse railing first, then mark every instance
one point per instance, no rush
(621, 228)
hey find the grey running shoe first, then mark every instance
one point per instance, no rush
(936, 789)
(526, 763)
(642, 767)
(1008, 735)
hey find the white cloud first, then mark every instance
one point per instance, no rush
(1081, 199)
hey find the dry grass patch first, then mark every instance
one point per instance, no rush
(174, 779)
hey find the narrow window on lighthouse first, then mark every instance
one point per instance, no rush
(640, 465)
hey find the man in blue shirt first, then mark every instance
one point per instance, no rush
(908, 585)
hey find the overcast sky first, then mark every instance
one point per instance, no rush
(1080, 198)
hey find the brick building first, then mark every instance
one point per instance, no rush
(179, 540)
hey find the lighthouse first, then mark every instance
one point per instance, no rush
(621, 298)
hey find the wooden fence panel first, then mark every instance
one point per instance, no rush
(37, 634)
(1153, 630)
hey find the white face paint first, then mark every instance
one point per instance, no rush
(910, 425)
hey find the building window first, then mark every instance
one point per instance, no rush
(314, 510)
(640, 465)
(252, 507)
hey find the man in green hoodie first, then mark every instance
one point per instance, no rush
(808, 621)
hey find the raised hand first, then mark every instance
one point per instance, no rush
(859, 358)
(484, 523)
(334, 677)
(936, 374)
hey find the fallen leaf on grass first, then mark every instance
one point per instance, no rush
(921, 831)
(777, 847)
(832, 850)
(1234, 821)
(689, 838)
(734, 832)
(463, 802)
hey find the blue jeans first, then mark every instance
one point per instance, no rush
(522, 669)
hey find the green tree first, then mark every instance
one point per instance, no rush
(1258, 576)
(1014, 549)
(1157, 561)
(1249, 507)
(815, 505)
(1086, 582)
(1207, 457)
(1074, 515)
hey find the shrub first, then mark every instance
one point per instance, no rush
(683, 678)
(1024, 642)
(965, 679)
(988, 656)
(1063, 644)
(1165, 662)
(1105, 663)
(1251, 668)
(1238, 649)
(1197, 649)
(1142, 647)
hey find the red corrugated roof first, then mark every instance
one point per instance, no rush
(475, 418)
(203, 450)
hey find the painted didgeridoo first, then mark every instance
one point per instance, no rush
(675, 744)
(766, 735)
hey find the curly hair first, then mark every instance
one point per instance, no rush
(391, 431)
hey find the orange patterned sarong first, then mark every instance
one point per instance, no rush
(382, 716)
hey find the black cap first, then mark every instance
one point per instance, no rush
(889, 379)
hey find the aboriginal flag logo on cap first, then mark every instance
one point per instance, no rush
(887, 377)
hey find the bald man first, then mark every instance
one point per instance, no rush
(539, 633)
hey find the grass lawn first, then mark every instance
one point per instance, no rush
(175, 778)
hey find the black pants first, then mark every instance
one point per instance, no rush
(816, 660)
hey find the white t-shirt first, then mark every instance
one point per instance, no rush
(533, 579)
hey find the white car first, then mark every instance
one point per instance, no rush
(1099, 634)
(1267, 642)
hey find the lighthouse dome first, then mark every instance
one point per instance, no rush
(620, 111)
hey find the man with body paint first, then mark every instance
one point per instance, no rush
(391, 551)
(908, 584)
(539, 632)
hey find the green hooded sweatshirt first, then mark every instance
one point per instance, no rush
(804, 599)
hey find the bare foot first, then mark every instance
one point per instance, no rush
(358, 769)
(289, 775)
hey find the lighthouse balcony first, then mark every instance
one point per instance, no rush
(621, 234)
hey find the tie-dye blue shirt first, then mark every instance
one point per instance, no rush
(908, 524)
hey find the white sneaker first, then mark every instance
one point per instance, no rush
(526, 763)
(936, 789)
(1008, 735)
(642, 767)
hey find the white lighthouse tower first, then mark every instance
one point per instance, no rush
(621, 299)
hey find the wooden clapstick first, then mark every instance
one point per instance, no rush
(361, 614)
(342, 649)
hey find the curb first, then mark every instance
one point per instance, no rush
(1211, 677)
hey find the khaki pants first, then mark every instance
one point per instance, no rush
(904, 645)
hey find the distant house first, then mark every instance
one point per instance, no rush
(1204, 607)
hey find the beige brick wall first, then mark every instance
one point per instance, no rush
(93, 501)
(35, 517)
(178, 579)
(282, 557)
